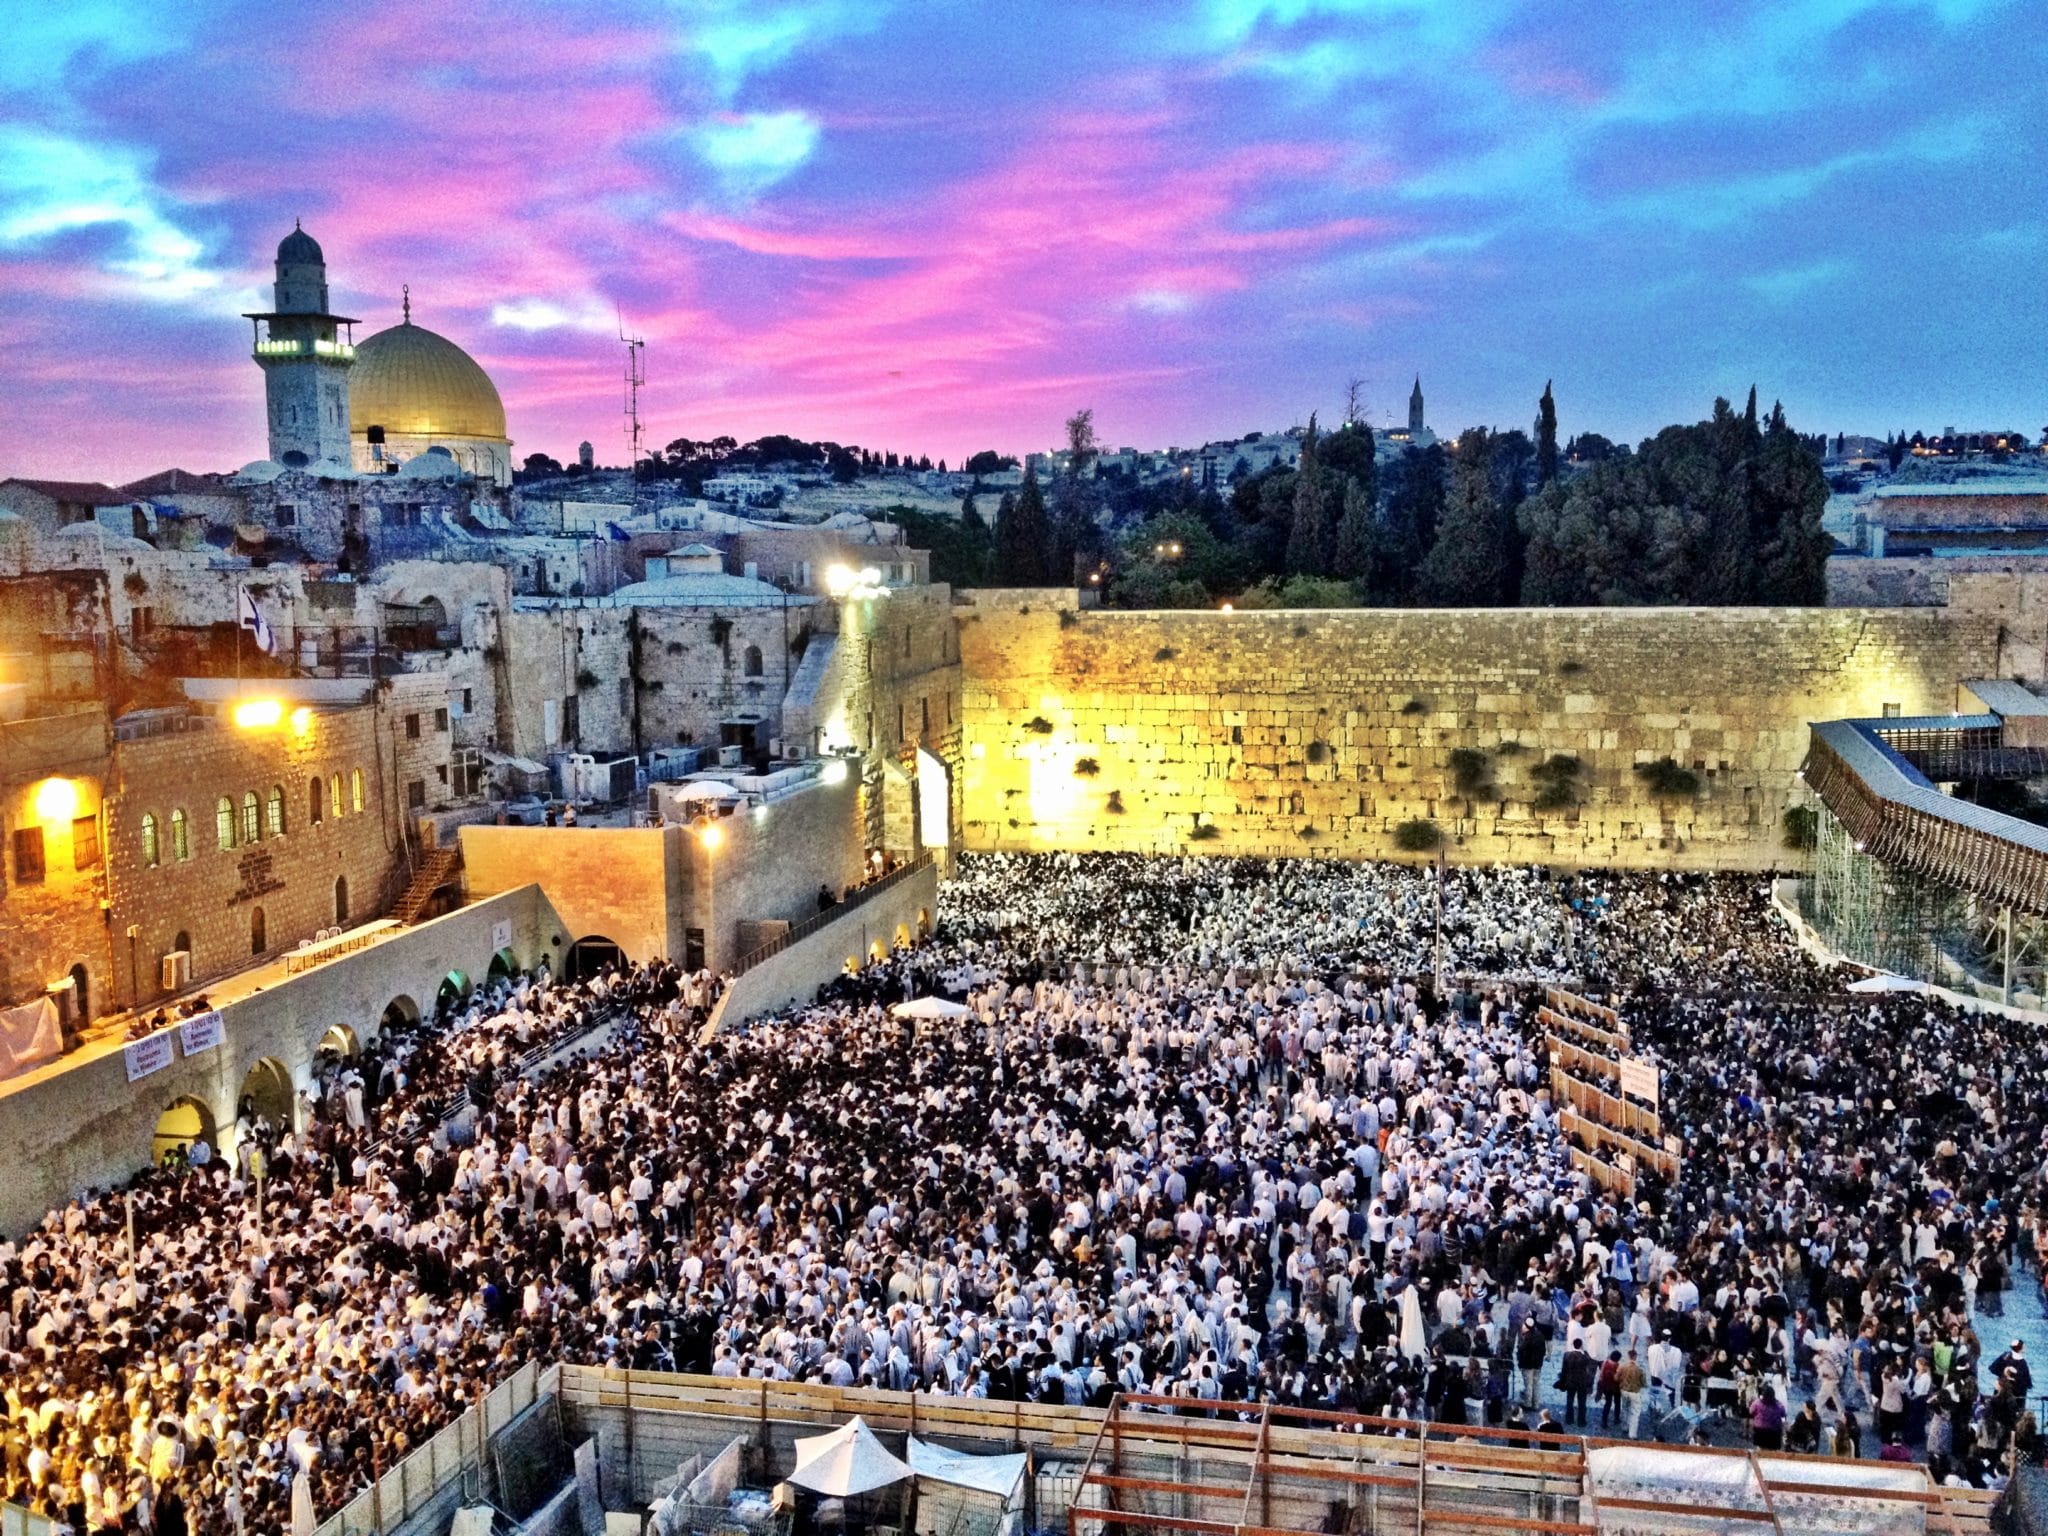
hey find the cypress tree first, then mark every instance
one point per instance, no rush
(1310, 539)
(1467, 565)
(1546, 438)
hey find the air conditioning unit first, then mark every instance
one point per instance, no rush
(793, 752)
(177, 970)
(731, 757)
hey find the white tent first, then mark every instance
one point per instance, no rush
(1885, 982)
(302, 1504)
(1001, 1476)
(1414, 1340)
(848, 1461)
(930, 1008)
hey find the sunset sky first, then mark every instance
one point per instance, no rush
(940, 227)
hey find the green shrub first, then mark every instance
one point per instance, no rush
(1068, 618)
(1471, 771)
(1415, 707)
(1115, 803)
(1418, 836)
(1087, 768)
(1317, 751)
(1571, 668)
(1802, 828)
(1038, 725)
(1206, 832)
(1165, 653)
(1307, 833)
(1509, 749)
(1666, 780)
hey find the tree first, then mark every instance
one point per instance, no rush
(1467, 566)
(1352, 557)
(1354, 402)
(988, 462)
(1791, 494)
(1081, 446)
(1022, 534)
(1312, 533)
(1546, 438)
(970, 514)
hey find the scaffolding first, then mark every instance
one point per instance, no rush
(1882, 915)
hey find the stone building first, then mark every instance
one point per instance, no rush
(232, 837)
(53, 858)
(304, 351)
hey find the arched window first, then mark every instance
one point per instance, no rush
(252, 824)
(273, 809)
(224, 821)
(341, 899)
(181, 840)
(753, 661)
(150, 851)
(316, 802)
(334, 796)
(259, 940)
(182, 942)
(355, 789)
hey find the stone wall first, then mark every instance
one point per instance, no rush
(82, 1124)
(791, 977)
(53, 868)
(618, 883)
(1323, 731)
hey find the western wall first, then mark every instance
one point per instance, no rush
(1323, 731)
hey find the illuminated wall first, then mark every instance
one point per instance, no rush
(1322, 732)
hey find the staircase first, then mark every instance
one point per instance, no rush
(437, 868)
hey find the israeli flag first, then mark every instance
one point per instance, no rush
(258, 626)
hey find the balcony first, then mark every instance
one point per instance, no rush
(339, 350)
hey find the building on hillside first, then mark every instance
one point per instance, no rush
(50, 506)
(1907, 541)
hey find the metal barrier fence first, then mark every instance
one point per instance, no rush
(458, 1452)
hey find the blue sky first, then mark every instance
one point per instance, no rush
(937, 227)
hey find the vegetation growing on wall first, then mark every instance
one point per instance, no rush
(1557, 778)
(1086, 768)
(1418, 836)
(1666, 780)
(1802, 828)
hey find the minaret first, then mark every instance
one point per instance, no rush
(305, 359)
(1415, 406)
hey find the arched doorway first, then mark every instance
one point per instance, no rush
(259, 932)
(339, 1042)
(184, 1122)
(400, 1013)
(924, 923)
(903, 935)
(267, 1092)
(341, 901)
(81, 997)
(453, 992)
(589, 955)
(503, 964)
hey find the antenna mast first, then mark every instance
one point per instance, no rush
(636, 375)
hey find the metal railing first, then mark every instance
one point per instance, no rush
(810, 925)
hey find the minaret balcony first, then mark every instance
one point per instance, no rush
(341, 351)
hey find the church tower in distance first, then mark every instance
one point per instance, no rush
(1415, 406)
(305, 359)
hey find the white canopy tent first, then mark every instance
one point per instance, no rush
(930, 1008)
(964, 1495)
(1001, 1476)
(847, 1462)
(1735, 1493)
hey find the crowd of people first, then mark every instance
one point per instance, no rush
(1216, 1129)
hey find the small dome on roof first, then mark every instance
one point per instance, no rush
(298, 247)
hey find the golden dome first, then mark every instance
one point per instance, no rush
(410, 381)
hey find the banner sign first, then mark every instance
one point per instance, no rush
(152, 1053)
(201, 1032)
(1639, 1079)
(501, 933)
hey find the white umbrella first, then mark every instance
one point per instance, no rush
(1414, 1340)
(302, 1504)
(997, 1475)
(930, 1008)
(848, 1461)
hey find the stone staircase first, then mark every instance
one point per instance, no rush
(436, 869)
